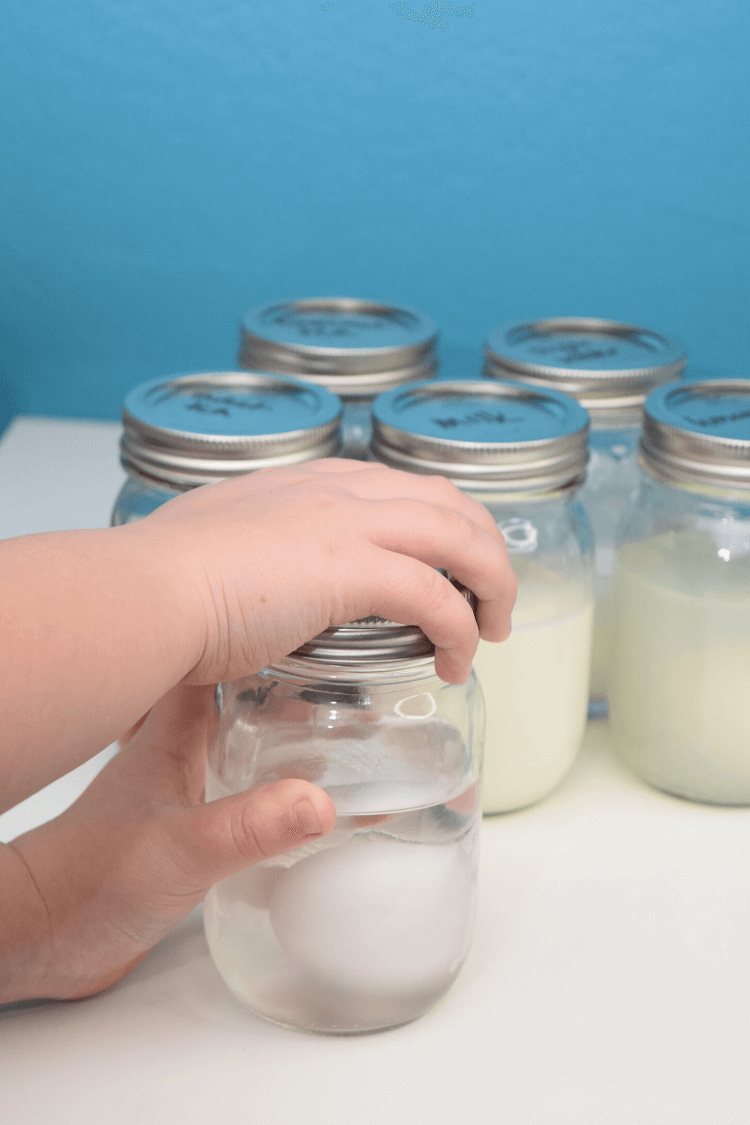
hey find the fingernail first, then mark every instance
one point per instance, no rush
(306, 819)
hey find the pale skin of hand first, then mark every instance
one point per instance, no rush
(213, 586)
(137, 851)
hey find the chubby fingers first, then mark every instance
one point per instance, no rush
(212, 841)
(413, 540)
(414, 594)
(447, 539)
(225, 836)
(429, 519)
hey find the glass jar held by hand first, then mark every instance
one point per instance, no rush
(609, 368)
(367, 927)
(190, 430)
(522, 452)
(681, 667)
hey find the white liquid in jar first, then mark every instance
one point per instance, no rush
(365, 928)
(536, 687)
(681, 667)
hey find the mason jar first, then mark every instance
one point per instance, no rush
(681, 667)
(367, 927)
(182, 432)
(609, 368)
(352, 347)
(522, 452)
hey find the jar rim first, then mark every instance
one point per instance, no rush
(169, 436)
(298, 669)
(497, 436)
(607, 365)
(712, 450)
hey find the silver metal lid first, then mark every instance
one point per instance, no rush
(609, 367)
(354, 347)
(699, 432)
(192, 429)
(491, 436)
(373, 640)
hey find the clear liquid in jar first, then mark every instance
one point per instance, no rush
(363, 929)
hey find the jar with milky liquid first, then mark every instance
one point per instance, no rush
(182, 432)
(681, 665)
(353, 347)
(522, 452)
(365, 928)
(609, 368)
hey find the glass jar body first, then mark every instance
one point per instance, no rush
(139, 497)
(681, 659)
(535, 684)
(356, 427)
(367, 927)
(610, 485)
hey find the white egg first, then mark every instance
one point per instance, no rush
(377, 915)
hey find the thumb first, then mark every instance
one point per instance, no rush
(230, 834)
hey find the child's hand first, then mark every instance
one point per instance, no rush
(96, 626)
(277, 557)
(137, 852)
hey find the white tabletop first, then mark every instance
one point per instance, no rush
(608, 984)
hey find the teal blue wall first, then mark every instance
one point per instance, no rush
(169, 163)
